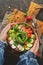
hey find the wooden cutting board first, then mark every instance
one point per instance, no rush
(33, 9)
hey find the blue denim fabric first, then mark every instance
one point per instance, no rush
(2, 47)
(27, 58)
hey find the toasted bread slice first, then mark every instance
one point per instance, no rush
(33, 9)
(17, 16)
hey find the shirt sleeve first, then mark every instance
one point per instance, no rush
(3, 44)
(2, 47)
(27, 58)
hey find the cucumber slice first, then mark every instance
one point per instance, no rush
(29, 45)
(27, 48)
(30, 40)
(33, 36)
(13, 47)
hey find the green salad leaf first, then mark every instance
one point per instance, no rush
(16, 43)
(12, 35)
(21, 37)
(16, 28)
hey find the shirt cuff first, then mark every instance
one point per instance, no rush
(28, 54)
(3, 44)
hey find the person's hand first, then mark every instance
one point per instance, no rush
(35, 48)
(3, 35)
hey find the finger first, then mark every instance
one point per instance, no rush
(37, 47)
(7, 27)
(36, 36)
(36, 43)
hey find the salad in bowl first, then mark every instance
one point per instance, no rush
(21, 37)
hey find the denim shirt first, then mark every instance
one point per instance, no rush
(27, 58)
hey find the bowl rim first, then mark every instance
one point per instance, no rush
(34, 40)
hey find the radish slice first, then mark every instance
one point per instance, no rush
(19, 27)
(19, 46)
(13, 47)
(11, 42)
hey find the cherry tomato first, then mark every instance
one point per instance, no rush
(29, 18)
(30, 31)
(29, 35)
(27, 31)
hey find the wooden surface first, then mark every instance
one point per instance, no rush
(6, 5)
(40, 26)
(13, 18)
(18, 16)
(33, 12)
